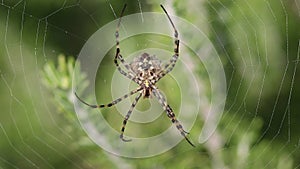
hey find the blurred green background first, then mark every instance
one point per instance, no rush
(258, 44)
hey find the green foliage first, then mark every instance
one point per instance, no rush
(248, 152)
(58, 79)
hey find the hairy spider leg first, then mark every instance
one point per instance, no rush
(125, 64)
(111, 103)
(118, 51)
(127, 117)
(171, 114)
(171, 64)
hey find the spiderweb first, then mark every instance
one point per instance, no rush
(258, 44)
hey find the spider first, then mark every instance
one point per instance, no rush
(145, 70)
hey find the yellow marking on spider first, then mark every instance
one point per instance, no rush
(146, 83)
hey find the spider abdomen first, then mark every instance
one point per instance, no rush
(144, 63)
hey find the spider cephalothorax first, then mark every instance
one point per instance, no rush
(145, 70)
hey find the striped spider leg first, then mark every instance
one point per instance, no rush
(111, 103)
(115, 102)
(170, 113)
(118, 55)
(171, 64)
(128, 115)
(168, 68)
